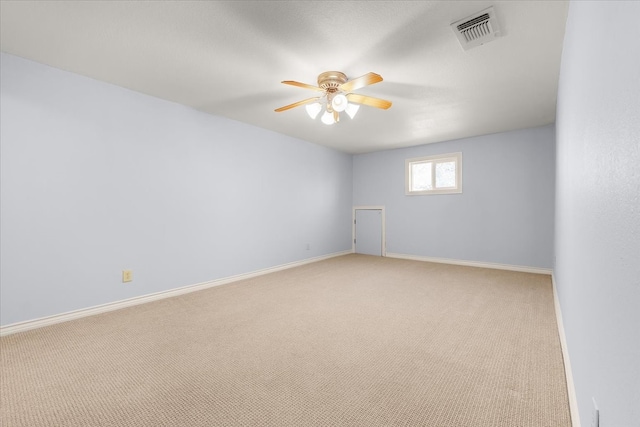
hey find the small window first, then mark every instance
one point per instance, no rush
(441, 174)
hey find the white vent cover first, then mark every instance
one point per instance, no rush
(477, 29)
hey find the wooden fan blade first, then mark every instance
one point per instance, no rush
(362, 81)
(368, 100)
(296, 104)
(303, 85)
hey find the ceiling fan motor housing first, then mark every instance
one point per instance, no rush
(331, 80)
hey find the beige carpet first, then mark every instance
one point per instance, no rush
(351, 341)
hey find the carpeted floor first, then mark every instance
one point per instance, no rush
(350, 341)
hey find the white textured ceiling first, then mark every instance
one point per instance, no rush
(228, 58)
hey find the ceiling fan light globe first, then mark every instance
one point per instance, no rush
(313, 109)
(339, 102)
(327, 118)
(352, 109)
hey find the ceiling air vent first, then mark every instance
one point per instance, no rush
(477, 29)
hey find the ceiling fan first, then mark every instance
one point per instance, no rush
(337, 96)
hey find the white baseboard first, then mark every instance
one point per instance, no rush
(571, 390)
(90, 311)
(510, 267)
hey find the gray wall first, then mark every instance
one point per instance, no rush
(96, 179)
(597, 244)
(504, 214)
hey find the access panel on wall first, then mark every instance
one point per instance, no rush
(368, 232)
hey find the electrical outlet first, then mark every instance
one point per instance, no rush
(127, 276)
(595, 414)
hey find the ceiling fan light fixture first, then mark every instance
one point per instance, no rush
(313, 109)
(337, 96)
(327, 118)
(352, 109)
(339, 103)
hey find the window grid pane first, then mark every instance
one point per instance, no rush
(421, 176)
(446, 175)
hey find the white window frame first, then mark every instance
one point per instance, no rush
(439, 158)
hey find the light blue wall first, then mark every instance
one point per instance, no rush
(598, 207)
(96, 179)
(504, 214)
